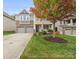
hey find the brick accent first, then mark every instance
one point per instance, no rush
(17, 23)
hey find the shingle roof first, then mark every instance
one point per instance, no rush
(24, 12)
(6, 15)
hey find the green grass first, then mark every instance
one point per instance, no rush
(38, 48)
(8, 32)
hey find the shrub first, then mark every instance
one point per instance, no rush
(40, 33)
(50, 30)
(44, 32)
(34, 34)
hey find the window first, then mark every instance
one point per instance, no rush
(64, 21)
(21, 18)
(60, 22)
(74, 20)
(46, 26)
(24, 18)
(28, 17)
(68, 21)
(37, 19)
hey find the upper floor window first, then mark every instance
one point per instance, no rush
(31, 17)
(60, 22)
(25, 18)
(36, 19)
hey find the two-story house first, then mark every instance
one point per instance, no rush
(24, 22)
(28, 22)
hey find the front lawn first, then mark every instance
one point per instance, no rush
(8, 32)
(39, 48)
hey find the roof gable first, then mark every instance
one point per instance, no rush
(24, 12)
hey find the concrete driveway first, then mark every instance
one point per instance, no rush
(13, 45)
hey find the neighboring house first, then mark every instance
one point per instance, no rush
(67, 26)
(8, 23)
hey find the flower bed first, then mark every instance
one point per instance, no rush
(56, 39)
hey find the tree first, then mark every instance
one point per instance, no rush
(53, 10)
(39, 12)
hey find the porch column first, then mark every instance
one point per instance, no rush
(71, 30)
(52, 27)
(63, 28)
(71, 21)
(34, 26)
(63, 22)
(41, 25)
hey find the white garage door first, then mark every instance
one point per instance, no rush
(21, 30)
(29, 30)
(25, 30)
(68, 32)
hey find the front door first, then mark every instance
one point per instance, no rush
(37, 28)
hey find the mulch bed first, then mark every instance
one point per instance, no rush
(56, 39)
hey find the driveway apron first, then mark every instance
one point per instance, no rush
(13, 45)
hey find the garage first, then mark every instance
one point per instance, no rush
(25, 30)
(29, 30)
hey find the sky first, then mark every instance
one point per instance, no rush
(15, 6)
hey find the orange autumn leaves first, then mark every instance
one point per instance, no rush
(52, 9)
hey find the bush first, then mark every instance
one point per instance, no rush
(34, 34)
(44, 32)
(40, 33)
(50, 30)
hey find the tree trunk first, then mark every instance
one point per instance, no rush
(53, 22)
(64, 27)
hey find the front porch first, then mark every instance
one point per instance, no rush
(40, 27)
